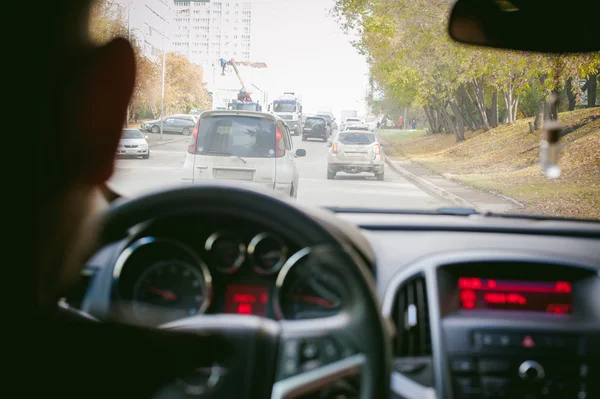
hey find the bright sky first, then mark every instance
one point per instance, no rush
(308, 54)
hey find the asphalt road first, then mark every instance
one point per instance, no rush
(164, 169)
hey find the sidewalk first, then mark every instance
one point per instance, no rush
(155, 141)
(455, 192)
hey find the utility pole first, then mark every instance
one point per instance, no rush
(164, 61)
(162, 107)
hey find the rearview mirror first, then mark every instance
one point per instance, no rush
(146, 136)
(532, 26)
(300, 152)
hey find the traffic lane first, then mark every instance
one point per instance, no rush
(355, 190)
(164, 169)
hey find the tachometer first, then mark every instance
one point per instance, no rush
(170, 290)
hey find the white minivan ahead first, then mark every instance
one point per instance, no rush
(243, 146)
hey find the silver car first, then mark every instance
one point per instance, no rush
(355, 151)
(178, 123)
(133, 143)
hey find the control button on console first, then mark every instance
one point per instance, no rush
(463, 365)
(493, 366)
(466, 387)
(494, 387)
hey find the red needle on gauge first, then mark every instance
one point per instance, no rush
(165, 294)
(314, 300)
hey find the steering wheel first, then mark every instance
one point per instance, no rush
(259, 357)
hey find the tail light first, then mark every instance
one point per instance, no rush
(278, 142)
(194, 139)
(377, 149)
(334, 148)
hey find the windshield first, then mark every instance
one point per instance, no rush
(465, 119)
(356, 138)
(132, 134)
(285, 107)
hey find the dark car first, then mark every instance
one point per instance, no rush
(315, 127)
(331, 125)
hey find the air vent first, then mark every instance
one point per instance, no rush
(411, 317)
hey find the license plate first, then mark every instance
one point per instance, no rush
(234, 174)
(355, 154)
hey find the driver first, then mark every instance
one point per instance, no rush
(81, 92)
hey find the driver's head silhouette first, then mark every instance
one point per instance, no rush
(82, 93)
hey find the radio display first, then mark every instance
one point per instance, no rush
(536, 296)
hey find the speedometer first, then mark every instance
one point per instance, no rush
(170, 290)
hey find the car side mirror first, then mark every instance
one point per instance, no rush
(146, 136)
(381, 145)
(300, 152)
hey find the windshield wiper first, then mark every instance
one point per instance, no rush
(226, 154)
(439, 211)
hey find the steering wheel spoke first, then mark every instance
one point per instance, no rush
(314, 353)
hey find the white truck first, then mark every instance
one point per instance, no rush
(348, 114)
(289, 108)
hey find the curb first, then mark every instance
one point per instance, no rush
(430, 187)
(167, 141)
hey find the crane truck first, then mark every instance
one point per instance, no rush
(244, 100)
(289, 108)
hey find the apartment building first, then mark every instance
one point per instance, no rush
(207, 30)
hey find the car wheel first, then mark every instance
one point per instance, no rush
(330, 175)
(324, 139)
(186, 132)
(146, 156)
(155, 129)
(379, 176)
(304, 138)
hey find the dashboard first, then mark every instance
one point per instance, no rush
(477, 307)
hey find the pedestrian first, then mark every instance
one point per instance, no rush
(400, 123)
(414, 124)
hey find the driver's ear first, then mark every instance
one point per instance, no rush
(102, 107)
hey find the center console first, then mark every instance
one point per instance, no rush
(520, 330)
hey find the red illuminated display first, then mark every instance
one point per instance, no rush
(247, 299)
(541, 296)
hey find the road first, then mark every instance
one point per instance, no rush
(164, 169)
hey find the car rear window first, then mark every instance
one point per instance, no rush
(310, 122)
(356, 138)
(243, 136)
(132, 134)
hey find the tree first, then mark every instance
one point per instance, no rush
(414, 62)
(184, 87)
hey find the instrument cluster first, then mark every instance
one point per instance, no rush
(159, 279)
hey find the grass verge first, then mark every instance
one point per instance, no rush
(505, 160)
